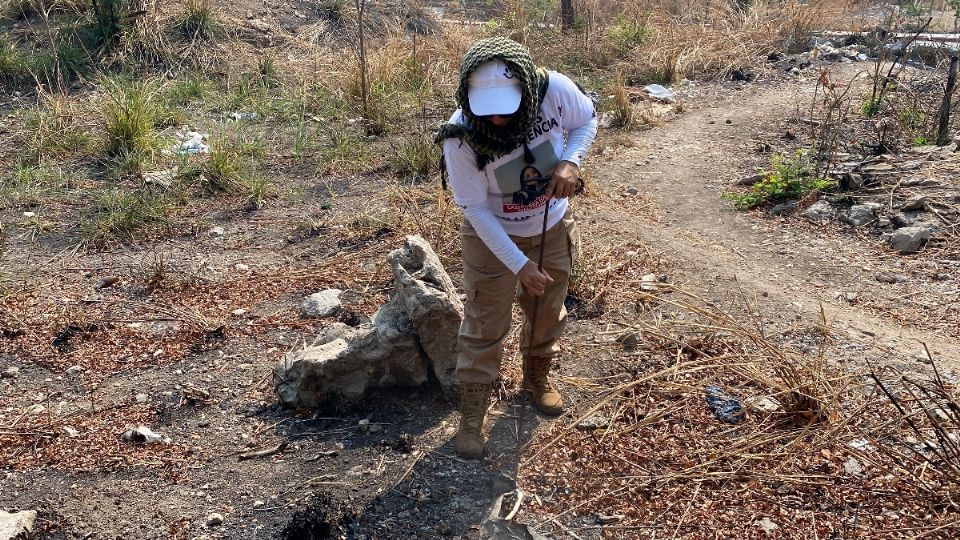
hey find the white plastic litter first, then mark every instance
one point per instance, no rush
(191, 142)
(661, 92)
(144, 435)
(238, 116)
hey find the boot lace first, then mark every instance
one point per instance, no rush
(473, 408)
(539, 370)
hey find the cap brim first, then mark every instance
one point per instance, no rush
(486, 101)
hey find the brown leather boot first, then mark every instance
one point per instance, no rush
(474, 401)
(545, 397)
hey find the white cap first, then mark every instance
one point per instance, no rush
(493, 88)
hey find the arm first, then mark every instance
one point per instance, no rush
(532, 278)
(579, 118)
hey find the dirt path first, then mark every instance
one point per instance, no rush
(788, 266)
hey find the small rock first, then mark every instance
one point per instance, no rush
(29, 214)
(34, 410)
(917, 202)
(596, 421)
(603, 519)
(819, 211)
(258, 503)
(105, 282)
(142, 397)
(763, 404)
(217, 232)
(909, 239)
(862, 214)
(239, 312)
(648, 282)
(768, 525)
(144, 435)
(852, 466)
(73, 371)
(632, 191)
(241, 267)
(10, 373)
(784, 209)
(629, 340)
(322, 304)
(750, 180)
(17, 525)
(72, 433)
(214, 519)
(850, 296)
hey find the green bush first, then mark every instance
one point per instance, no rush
(122, 215)
(199, 20)
(625, 34)
(414, 158)
(789, 178)
(14, 67)
(130, 117)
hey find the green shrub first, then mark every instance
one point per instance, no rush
(193, 87)
(789, 178)
(122, 215)
(415, 158)
(14, 68)
(130, 117)
(199, 21)
(625, 34)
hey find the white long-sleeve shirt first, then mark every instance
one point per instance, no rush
(503, 200)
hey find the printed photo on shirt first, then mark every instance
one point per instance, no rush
(522, 184)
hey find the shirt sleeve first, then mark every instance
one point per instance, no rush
(468, 184)
(578, 117)
(493, 235)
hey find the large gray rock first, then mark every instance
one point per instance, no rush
(862, 214)
(427, 295)
(17, 525)
(819, 211)
(414, 332)
(909, 239)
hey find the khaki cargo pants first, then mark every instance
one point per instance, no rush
(491, 289)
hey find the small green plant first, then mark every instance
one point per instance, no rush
(224, 171)
(57, 129)
(625, 34)
(267, 71)
(198, 21)
(130, 117)
(870, 108)
(344, 151)
(66, 62)
(415, 158)
(14, 67)
(789, 178)
(122, 215)
(920, 140)
(193, 87)
(29, 184)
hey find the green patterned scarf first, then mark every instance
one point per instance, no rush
(487, 140)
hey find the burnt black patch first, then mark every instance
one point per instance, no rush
(323, 517)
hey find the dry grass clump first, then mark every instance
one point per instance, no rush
(624, 461)
(919, 436)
